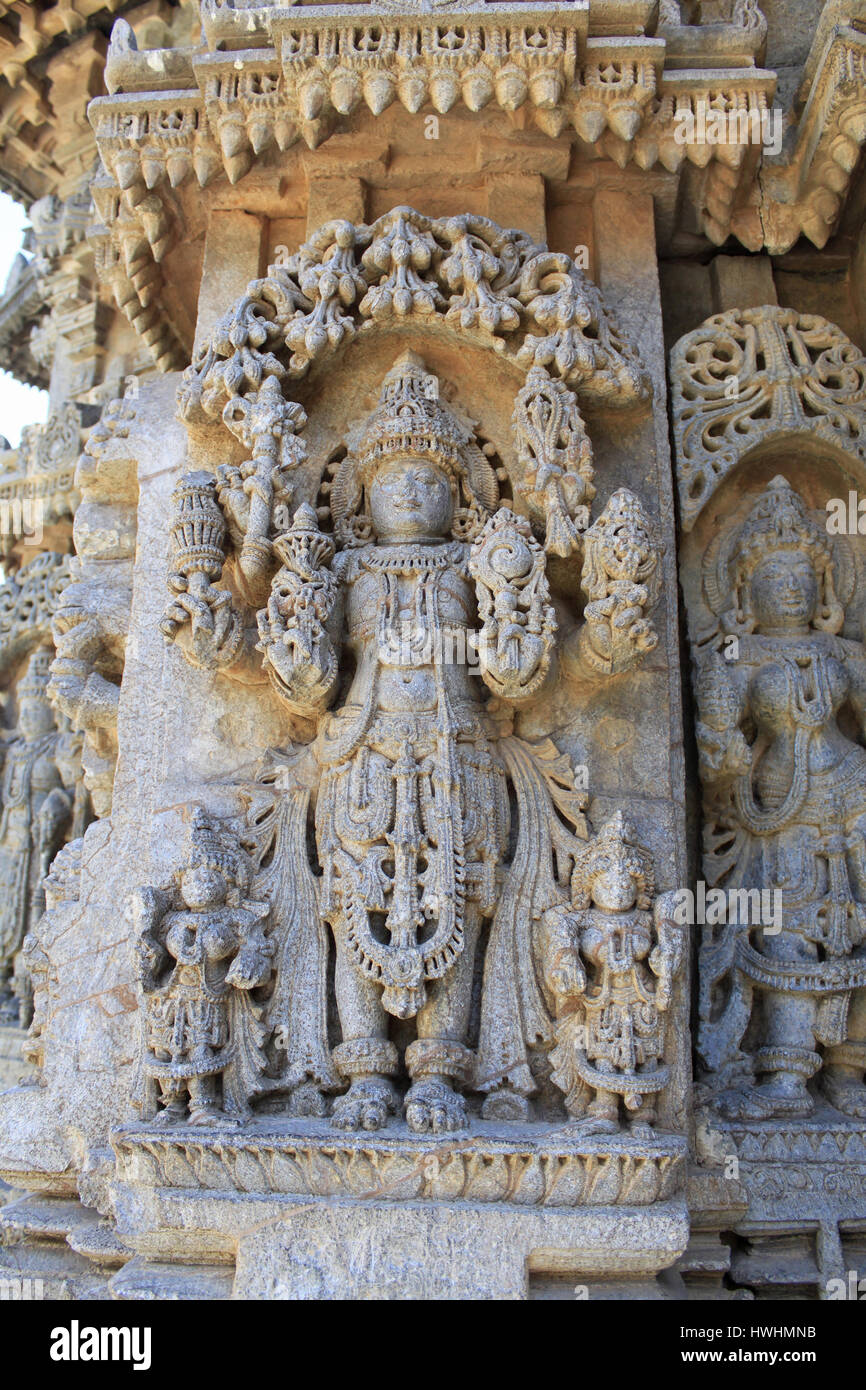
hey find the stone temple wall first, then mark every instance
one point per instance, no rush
(433, 782)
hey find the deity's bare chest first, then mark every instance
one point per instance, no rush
(408, 598)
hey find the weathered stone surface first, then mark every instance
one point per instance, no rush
(347, 887)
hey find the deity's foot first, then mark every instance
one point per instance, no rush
(770, 1101)
(844, 1092)
(308, 1100)
(210, 1115)
(169, 1116)
(595, 1124)
(366, 1105)
(505, 1104)
(432, 1105)
(641, 1129)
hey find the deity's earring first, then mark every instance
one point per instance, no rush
(832, 614)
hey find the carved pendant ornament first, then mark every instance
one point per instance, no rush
(408, 851)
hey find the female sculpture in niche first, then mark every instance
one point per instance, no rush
(435, 826)
(785, 807)
(35, 810)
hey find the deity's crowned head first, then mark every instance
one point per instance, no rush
(614, 873)
(35, 715)
(781, 567)
(215, 870)
(419, 466)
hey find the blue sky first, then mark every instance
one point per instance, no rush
(19, 405)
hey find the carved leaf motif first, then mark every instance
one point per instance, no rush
(640, 1180)
(566, 1181)
(488, 1178)
(528, 1188)
(604, 1180)
(472, 267)
(286, 1174)
(473, 273)
(395, 264)
(450, 1180)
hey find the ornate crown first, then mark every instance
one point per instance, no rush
(779, 520)
(615, 837)
(209, 848)
(34, 683)
(409, 419)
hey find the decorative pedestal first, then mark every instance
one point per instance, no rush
(306, 1212)
(805, 1181)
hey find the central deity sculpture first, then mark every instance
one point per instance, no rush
(412, 816)
(405, 653)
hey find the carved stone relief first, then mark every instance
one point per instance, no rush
(91, 623)
(751, 376)
(778, 666)
(403, 627)
(782, 788)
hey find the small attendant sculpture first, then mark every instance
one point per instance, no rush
(202, 949)
(35, 811)
(610, 965)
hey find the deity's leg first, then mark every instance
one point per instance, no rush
(203, 1106)
(365, 1055)
(845, 1064)
(787, 1058)
(602, 1114)
(641, 1120)
(173, 1098)
(439, 1057)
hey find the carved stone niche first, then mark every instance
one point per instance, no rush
(397, 872)
(771, 415)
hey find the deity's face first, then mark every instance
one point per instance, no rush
(613, 887)
(410, 500)
(35, 718)
(784, 591)
(202, 888)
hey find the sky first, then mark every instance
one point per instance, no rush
(19, 404)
